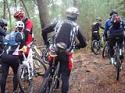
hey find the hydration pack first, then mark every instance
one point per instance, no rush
(65, 33)
(12, 42)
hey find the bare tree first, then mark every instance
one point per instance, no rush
(43, 12)
(4, 9)
(10, 22)
(75, 3)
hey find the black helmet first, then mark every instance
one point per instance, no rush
(3, 22)
(113, 12)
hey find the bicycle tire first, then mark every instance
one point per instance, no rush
(118, 63)
(40, 65)
(105, 52)
(96, 48)
(24, 79)
(117, 72)
(44, 55)
(55, 79)
(44, 88)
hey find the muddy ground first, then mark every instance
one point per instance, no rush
(91, 74)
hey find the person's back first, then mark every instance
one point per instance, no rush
(114, 28)
(95, 29)
(66, 32)
(95, 26)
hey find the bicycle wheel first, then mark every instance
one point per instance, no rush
(25, 84)
(45, 86)
(105, 52)
(96, 47)
(44, 56)
(39, 67)
(118, 63)
(117, 71)
(55, 79)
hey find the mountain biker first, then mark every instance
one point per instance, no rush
(114, 27)
(95, 29)
(65, 33)
(10, 57)
(28, 26)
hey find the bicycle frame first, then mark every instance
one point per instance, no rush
(28, 62)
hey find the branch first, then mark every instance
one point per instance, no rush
(25, 8)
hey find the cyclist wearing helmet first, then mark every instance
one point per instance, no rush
(95, 29)
(28, 25)
(10, 57)
(114, 27)
(65, 33)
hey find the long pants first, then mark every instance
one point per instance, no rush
(112, 42)
(9, 61)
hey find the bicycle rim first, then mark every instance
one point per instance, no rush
(96, 47)
(39, 67)
(26, 85)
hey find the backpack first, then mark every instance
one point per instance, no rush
(65, 33)
(12, 42)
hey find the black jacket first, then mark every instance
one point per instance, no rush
(63, 37)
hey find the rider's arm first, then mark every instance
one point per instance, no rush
(106, 28)
(47, 30)
(2, 32)
(28, 29)
(100, 25)
(82, 40)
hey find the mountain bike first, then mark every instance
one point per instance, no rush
(51, 81)
(28, 68)
(52, 76)
(38, 61)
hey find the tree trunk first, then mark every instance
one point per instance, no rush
(10, 22)
(75, 3)
(4, 9)
(15, 2)
(25, 8)
(43, 12)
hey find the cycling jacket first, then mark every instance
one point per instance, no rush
(28, 31)
(96, 26)
(65, 31)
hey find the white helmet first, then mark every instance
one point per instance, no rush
(19, 24)
(72, 12)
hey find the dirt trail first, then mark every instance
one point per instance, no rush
(95, 75)
(90, 74)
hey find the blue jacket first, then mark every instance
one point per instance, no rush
(108, 25)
